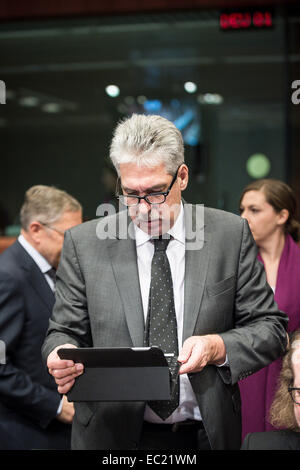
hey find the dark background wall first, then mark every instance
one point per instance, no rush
(11, 9)
(67, 52)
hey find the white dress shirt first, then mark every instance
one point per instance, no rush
(41, 262)
(188, 407)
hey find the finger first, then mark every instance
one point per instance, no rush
(185, 351)
(66, 388)
(196, 361)
(67, 378)
(59, 363)
(61, 373)
(188, 368)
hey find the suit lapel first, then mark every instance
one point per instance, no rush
(35, 277)
(124, 262)
(196, 265)
(41, 287)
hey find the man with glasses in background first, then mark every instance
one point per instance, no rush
(33, 415)
(190, 286)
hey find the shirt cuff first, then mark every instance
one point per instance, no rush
(225, 364)
(60, 407)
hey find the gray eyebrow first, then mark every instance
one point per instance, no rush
(149, 190)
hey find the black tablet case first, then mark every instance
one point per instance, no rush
(119, 374)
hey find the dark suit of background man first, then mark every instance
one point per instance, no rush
(227, 322)
(32, 413)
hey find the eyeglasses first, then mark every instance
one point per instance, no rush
(295, 394)
(132, 200)
(62, 232)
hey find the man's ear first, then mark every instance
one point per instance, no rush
(35, 230)
(183, 175)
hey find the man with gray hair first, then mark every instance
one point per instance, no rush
(33, 415)
(187, 284)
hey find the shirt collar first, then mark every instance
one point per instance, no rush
(177, 231)
(35, 255)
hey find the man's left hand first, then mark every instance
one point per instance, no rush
(198, 351)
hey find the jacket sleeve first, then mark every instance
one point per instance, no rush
(246, 443)
(17, 390)
(259, 336)
(70, 320)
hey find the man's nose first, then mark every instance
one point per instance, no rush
(144, 207)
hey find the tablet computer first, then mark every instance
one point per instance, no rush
(119, 374)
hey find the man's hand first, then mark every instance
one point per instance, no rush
(64, 371)
(67, 412)
(198, 351)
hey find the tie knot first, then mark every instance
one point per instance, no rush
(52, 273)
(160, 244)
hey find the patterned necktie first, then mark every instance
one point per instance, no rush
(161, 327)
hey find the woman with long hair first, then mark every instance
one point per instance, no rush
(285, 409)
(270, 207)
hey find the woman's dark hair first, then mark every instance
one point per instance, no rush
(280, 196)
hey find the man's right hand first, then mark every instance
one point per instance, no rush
(64, 371)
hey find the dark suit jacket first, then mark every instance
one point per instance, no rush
(98, 303)
(28, 394)
(272, 440)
